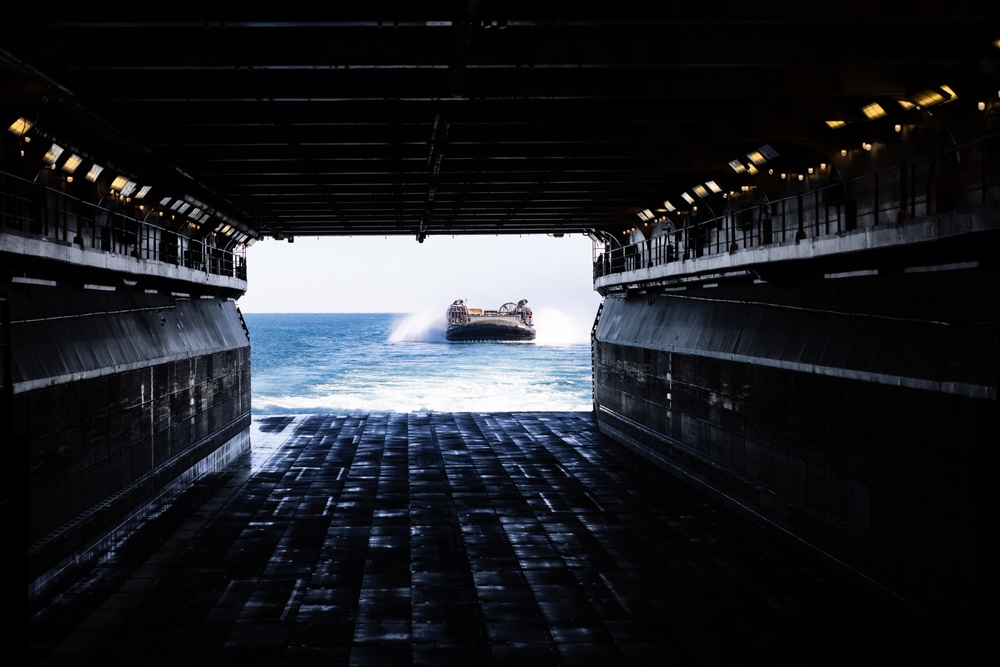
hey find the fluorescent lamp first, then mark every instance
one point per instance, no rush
(53, 154)
(20, 127)
(873, 111)
(71, 163)
(932, 96)
(762, 154)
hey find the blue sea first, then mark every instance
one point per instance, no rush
(401, 362)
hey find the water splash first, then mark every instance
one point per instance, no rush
(555, 327)
(422, 327)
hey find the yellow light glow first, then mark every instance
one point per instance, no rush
(873, 111)
(20, 127)
(71, 163)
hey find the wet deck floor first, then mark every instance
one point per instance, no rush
(460, 539)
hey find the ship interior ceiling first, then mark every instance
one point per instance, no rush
(519, 118)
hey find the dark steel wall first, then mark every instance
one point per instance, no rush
(848, 415)
(119, 397)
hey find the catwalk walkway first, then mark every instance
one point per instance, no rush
(460, 539)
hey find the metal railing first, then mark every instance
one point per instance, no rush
(111, 225)
(964, 177)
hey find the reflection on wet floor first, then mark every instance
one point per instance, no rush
(459, 539)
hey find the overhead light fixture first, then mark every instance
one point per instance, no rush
(71, 163)
(94, 172)
(933, 96)
(124, 186)
(873, 111)
(762, 154)
(20, 127)
(52, 154)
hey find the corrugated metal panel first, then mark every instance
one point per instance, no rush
(56, 333)
(860, 343)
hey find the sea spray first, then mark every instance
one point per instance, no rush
(426, 327)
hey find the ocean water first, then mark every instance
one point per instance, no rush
(392, 362)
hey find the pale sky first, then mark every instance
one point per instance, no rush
(396, 274)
